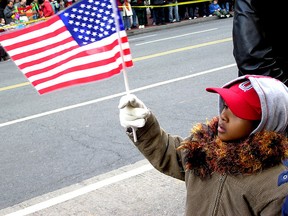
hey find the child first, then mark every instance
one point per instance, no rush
(216, 10)
(127, 14)
(231, 163)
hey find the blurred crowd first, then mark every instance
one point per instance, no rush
(22, 11)
(138, 13)
(19, 13)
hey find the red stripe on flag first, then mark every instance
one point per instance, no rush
(30, 41)
(78, 55)
(81, 80)
(34, 27)
(42, 49)
(78, 68)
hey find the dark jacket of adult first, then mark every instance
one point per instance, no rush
(260, 40)
(8, 12)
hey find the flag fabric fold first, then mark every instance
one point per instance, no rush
(81, 44)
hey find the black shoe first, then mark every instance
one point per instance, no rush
(6, 58)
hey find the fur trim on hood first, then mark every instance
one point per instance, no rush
(205, 153)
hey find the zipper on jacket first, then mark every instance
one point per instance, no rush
(220, 189)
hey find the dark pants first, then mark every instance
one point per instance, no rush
(159, 15)
(3, 54)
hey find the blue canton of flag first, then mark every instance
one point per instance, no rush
(89, 21)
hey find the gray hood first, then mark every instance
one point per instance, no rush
(273, 96)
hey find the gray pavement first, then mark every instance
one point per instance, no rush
(133, 190)
(152, 28)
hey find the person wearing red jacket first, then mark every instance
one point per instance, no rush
(47, 9)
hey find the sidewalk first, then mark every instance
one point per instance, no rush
(151, 28)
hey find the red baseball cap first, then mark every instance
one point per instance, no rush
(241, 98)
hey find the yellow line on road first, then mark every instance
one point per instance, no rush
(141, 58)
(182, 49)
(14, 86)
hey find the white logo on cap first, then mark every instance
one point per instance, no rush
(245, 86)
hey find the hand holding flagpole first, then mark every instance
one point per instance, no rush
(117, 18)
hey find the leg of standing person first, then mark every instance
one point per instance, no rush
(190, 11)
(176, 12)
(134, 18)
(170, 11)
(196, 11)
(153, 14)
(126, 20)
(162, 16)
(182, 11)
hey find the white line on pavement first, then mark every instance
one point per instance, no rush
(114, 96)
(84, 190)
(168, 38)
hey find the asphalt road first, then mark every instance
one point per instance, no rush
(65, 153)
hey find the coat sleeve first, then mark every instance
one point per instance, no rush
(160, 148)
(260, 45)
(8, 13)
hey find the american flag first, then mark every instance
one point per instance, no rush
(81, 44)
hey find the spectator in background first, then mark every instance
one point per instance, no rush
(173, 11)
(2, 24)
(55, 6)
(46, 8)
(127, 14)
(204, 9)
(35, 9)
(134, 16)
(216, 10)
(141, 13)
(21, 9)
(158, 10)
(68, 3)
(225, 4)
(120, 8)
(192, 11)
(9, 12)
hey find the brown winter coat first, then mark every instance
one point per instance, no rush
(219, 194)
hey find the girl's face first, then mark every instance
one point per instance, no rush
(231, 127)
(2, 21)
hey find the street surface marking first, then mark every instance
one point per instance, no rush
(84, 190)
(14, 86)
(114, 96)
(182, 49)
(178, 36)
(140, 38)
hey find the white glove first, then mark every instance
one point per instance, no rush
(133, 112)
